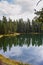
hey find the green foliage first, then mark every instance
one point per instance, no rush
(22, 26)
(39, 20)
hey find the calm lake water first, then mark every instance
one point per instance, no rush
(26, 48)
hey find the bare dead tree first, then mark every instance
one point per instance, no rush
(38, 2)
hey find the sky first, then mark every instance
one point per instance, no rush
(16, 9)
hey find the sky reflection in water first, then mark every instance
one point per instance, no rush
(27, 54)
(32, 54)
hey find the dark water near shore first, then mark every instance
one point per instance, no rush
(26, 48)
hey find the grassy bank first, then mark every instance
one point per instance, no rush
(6, 61)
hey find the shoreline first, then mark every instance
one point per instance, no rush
(14, 34)
(1, 35)
(7, 61)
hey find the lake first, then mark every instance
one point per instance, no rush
(27, 48)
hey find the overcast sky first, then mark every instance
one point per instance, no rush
(16, 9)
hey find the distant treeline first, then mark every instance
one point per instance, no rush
(20, 26)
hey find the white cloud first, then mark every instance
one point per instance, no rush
(19, 8)
(9, 9)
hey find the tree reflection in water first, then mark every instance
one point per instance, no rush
(28, 39)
